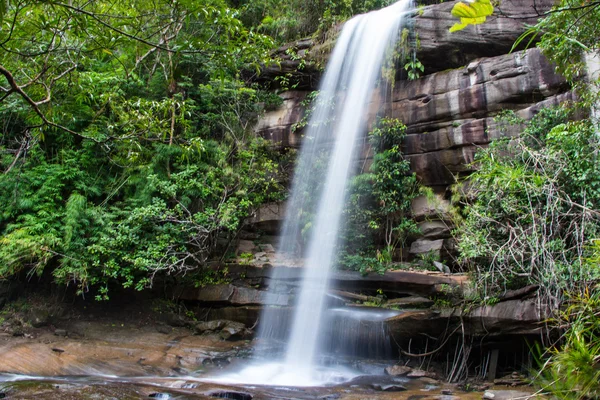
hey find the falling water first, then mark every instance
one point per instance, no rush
(592, 60)
(324, 169)
(353, 69)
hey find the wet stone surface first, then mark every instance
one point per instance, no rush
(183, 388)
(122, 359)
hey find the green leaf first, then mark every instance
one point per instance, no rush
(3, 7)
(471, 14)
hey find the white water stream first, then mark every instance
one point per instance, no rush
(323, 171)
(592, 60)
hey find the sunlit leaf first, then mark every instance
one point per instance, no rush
(474, 13)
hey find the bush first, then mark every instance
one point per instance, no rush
(530, 209)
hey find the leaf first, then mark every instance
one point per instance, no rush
(471, 14)
(532, 31)
(3, 7)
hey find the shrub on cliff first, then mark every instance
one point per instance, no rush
(377, 213)
(533, 210)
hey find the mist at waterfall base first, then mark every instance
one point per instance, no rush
(323, 171)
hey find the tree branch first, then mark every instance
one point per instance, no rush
(15, 88)
(114, 28)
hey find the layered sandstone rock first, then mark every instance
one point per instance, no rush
(439, 49)
(450, 115)
(513, 317)
(302, 61)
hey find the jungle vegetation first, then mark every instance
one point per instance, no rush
(530, 215)
(126, 151)
(127, 154)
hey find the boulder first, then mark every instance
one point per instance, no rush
(226, 329)
(398, 370)
(209, 326)
(233, 330)
(419, 373)
(422, 207)
(389, 387)
(425, 246)
(508, 395)
(434, 230)
(245, 247)
(38, 317)
(267, 248)
(268, 218)
(213, 294)
(441, 267)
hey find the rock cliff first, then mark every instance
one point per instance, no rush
(470, 77)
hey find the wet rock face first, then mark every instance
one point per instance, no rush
(277, 126)
(513, 317)
(234, 295)
(439, 49)
(450, 112)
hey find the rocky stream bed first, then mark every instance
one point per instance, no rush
(100, 360)
(137, 349)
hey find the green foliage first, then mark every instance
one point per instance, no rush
(531, 214)
(246, 258)
(566, 34)
(289, 20)
(427, 260)
(472, 13)
(137, 159)
(414, 68)
(572, 371)
(362, 263)
(379, 203)
(312, 101)
(403, 57)
(531, 210)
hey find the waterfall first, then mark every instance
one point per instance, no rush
(324, 168)
(592, 61)
(353, 70)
